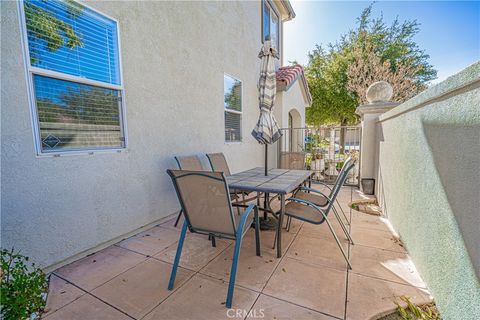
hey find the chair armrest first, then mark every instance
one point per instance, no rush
(316, 191)
(324, 184)
(308, 203)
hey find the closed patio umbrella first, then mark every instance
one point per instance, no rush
(266, 131)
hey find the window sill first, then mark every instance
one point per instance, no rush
(80, 153)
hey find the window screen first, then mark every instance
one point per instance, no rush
(233, 108)
(74, 63)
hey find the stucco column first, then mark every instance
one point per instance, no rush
(378, 96)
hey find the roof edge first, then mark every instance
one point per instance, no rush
(288, 6)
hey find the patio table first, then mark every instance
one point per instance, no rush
(279, 181)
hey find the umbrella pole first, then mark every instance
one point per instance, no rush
(266, 158)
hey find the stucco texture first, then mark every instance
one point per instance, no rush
(429, 186)
(174, 58)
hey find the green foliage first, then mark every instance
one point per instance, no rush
(326, 72)
(414, 312)
(22, 287)
(45, 26)
(233, 98)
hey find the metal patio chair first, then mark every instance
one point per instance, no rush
(321, 199)
(192, 163)
(308, 211)
(219, 163)
(207, 207)
(292, 160)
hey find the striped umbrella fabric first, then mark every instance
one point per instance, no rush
(266, 131)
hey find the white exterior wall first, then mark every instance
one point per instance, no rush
(174, 56)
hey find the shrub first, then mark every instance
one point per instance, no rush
(23, 287)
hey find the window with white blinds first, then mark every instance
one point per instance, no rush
(76, 85)
(232, 91)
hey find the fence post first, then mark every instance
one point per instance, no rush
(378, 96)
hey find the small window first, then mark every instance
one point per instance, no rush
(76, 85)
(232, 91)
(270, 29)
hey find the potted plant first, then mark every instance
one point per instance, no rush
(317, 165)
(23, 287)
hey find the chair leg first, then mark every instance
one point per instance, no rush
(177, 256)
(289, 223)
(344, 228)
(338, 243)
(214, 243)
(343, 212)
(233, 272)
(257, 232)
(178, 218)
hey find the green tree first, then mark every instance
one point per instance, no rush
(334, 101)
(87, 105)
(56, 33)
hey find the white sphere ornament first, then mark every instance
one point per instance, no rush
(380, 91)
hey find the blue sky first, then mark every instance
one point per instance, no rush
(449, 31)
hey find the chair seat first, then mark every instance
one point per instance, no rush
(314, 198)
(303, 212)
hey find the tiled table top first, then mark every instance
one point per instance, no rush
(281, 181)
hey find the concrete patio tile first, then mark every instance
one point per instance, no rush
(367, 221)
(202, 298)
(314, 287)
(295, 225)
(253, 272)
(170, 223)
(269, 308)
(368, 297)
(94, 270)
(317, 251)
(87, 307)
(140, 289)
(152, 241)
(266, 240)
(322, 231)
(60, 293)
(385, 264)
(197, 251)
(376, 239)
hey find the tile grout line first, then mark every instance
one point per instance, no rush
(275, 269)
(187, 280)
(90, 294)
(304, 307)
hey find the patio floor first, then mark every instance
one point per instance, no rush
(129, 279)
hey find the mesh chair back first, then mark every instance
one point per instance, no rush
(292, 160)
(340, 181)
(337, 185)
(205, 201)
(219, 163)
(191, 163)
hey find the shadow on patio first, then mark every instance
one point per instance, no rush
(311, 281)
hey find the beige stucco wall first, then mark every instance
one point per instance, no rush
(174, 57)
(429, 172)
(286, 101)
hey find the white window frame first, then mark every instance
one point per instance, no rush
(233, 111)
(273, 11)
(31, 71)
